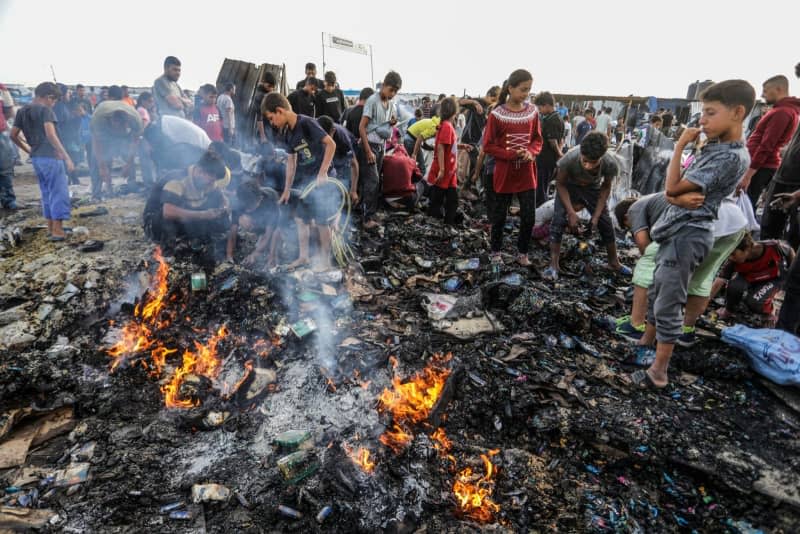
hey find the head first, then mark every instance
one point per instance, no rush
(115, 92)
(418, 113)
(249, 195)
(269, 83)
(517, 88)
(146, 101)
(426, 100)
(593, 148)
(66, 93)
(172, 68)
(588, 113)
(47, 93)
(330, 81)
(621, 212)
(124, 91)
(544, 102)
(492, 94)
(392, 83)
(208, 170)
(742, 250)
(326, 123)
(448, 108)
(775, 89)
(209, 94)
(311, 86)
(311, 70)
(365, 94)
(725, 105)
(230, 88)
(276, 109)
(118, 123)
(656, 121)
(104, 93)
(80, 90)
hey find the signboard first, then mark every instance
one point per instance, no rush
(347, 45)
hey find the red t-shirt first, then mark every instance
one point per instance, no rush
(446, 138)
(211, 122)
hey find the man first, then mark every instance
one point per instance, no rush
(351, 117)
(303, 100)
(562, 110)
(175, 143)
(114, 93)
(603, 124)
(311, 72)
(266, 86)
(785, 182)
(169, 96)
(227, 112)
(330, 99)
(116, 128)
(126, 97)
(416, 136)
(772, 132)
(553, 134)
(585, 126)
(80, 96)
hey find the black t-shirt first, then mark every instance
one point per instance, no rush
(345, 143)
(789, 171)
(305, 141)
(303, 103)
(552, 128)
(264, 215)
(330, 104)
(302, 83)
(31, 120)
(352, 118)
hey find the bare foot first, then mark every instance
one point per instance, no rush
(369, 225)
(659, 379)
(299, 262)
(322, 267)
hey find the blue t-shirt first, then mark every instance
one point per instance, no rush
(717, 170)
(344, 144)
(583, 128)
(305, 141)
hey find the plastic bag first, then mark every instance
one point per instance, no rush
(774, 354)
(743, 201)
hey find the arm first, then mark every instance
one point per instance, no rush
(173, 212)
(491, 143)
(536, 142)
(642, 239)
(440, 159)
(563, 194)
(231, 245)
(417, 144)
(605, 192)
(717, 286)
(162, 88)
(362, 131)
(15, 131)
(52, 136)
(261, 134)
(691, 201)
(330, 149)
(775, 125)
(354, 180)
(479, 165)
(675, 185)
(291, 167)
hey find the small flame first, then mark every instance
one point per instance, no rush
(441, 442)
(474, 494)
(228, 392)
(204, 361)
(396, 438)
(360, 457)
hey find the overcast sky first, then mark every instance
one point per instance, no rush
(616, 47)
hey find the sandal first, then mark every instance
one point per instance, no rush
(641, 379)
(550, 274)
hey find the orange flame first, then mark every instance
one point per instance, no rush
(441, 442)
(396, 438)
(360, 457)
(474, 494)
(204, 361)
(227, 391)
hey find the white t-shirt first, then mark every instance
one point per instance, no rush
(730, 218)
(225, 103)
(603, 122)
(180, 130)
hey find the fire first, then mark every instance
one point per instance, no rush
(227, 392)
(473, 492)
(396, 438)
(441, 442)
(204, 361)
(360, 457)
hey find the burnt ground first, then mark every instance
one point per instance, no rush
(578, 449)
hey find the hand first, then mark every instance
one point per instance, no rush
(284, 197)
(353, 198)
(322, 178)
(370, 157)
(250, 259)
(469, 148)
(440, 176)
(263, 138)
(216, 213)
(229, 259)
(593, 226)
(689, 135)
(70, 166)
(785, 201)
(475, 178)
(690, 201)
(478, 108)
(104, 171)
(572, 221)
(743, 185)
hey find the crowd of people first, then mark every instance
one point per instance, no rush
(698, 237)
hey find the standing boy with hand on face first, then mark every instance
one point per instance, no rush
(684, 235)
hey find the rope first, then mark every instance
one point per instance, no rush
(341, 250)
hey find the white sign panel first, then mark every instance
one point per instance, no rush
(347, 45)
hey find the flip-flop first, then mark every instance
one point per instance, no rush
(642, 380)
(56, 239)
(641, 357)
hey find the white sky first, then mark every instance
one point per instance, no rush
(616, 47)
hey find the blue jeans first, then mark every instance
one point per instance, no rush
(53, 184)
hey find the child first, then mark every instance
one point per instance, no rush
(374, 130)
(310, 152)
(38, 122)
(442, 177)
(685, 236)
(754, 273)
(344, 160)
(513, 138)
(208, 117)
(330, 100)
(585, 175)
(254, 211)
(583, 128)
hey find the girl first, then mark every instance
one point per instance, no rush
(442, 177)
(514, 139)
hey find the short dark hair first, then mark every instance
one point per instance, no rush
(366, 93)
(326, 123)
(311, 66)
(594, 145)
(124, 87)
(171, 60)
(80, 86)
(655, 118)
(142, 98)
(311, 81)
(731, 93)
(545, 98)
(115, 92)
(448, 108)
(229, 86)
(212, 164)
(621, 209)
(207, 89)
(493, 90)
(249, 194)
(588, 110)
(45, 89)
(273, 101)
(270, 78)
(393, 79)
(747, 242)
(418, 112)
(780, 80)
(230, 157)
(330, 77)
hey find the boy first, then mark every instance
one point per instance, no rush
(583, 128)
(374, 129)
(208, 117)
(38, 122)
(685, 235)
(227, 114)
(584, 175)
(310, 152)
(344, 159)
(303, 101)
(553, 133)
(255, 211)
(330, 100)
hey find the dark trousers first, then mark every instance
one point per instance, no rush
(527, 214)
(544, 176)
(7, 197)
(490, 197)
(758, 297)
(758, 183)
(448, 198)
(774, 221)
(789, 319)
(369, 179)
(409, 143)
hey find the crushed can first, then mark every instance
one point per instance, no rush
(199, 282)
(296, 466)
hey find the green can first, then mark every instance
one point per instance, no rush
(199, 282)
